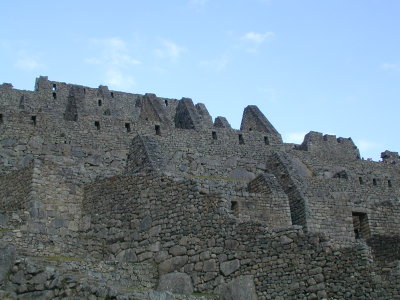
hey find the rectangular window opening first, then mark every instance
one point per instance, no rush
(360, 180)
(112, 95)
(241, 140)
(1, 119)
(389, 183)
(158, 129)
(33, 118)
(266, 140)
(128, 127)
(99, 102)
(54, 87)
(235, 207)
(214, 135)
(166, 102)
(54, 95)
(374, 181)
(361, 225)
(97, 124)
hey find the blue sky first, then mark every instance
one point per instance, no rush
(325, 65)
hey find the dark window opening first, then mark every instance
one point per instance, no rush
(374, 181)
(361, 226)
(54, 87)
(146, 119)
(360, 180)
(158, 130)
(128, 127)
(33, 118)
(112, 95)
(84, 91)
(54, 95)
(250, 129)
(389, 183)
(214, 135)
(235, 207)
(341, 175)
(241, 140)
(1, 118)
(99, 103)
(97, 124)
(266, 140)
(166, 102)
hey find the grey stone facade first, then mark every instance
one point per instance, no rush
(132, 193)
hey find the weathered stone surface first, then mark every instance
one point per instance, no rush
(210, 265)
(177, 250)
(175, 282)
(241, 288)
(229, 267)
(127, 255)
(172, 264)
(7, 257)
(120, 188)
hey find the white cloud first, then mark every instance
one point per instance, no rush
(390, 66)
(294, 137)
(251, 41)
(218, 64)
(114, 52)
(258, 38)
(116, 60)
(26, 62)
(170, 50)
(118, 79)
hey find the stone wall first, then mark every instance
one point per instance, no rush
(15, 189)
(127, 179)
(181, 228)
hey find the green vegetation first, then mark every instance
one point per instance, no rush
(204, 295)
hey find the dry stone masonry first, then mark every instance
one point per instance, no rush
(111, 195)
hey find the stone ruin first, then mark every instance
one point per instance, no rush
(111, 195)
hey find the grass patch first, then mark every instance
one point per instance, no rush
(64, 258)
(204, 295)
(5, 230)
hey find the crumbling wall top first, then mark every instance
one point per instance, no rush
(390, 157)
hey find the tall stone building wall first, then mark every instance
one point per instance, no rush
(140, 180)
(181, 231)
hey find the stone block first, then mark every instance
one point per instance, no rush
(228, 267)
(172, 264)
(7, 258)
(241, 288)
(179, 283)
(127, 255)
(177, 250)
(210, 265)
